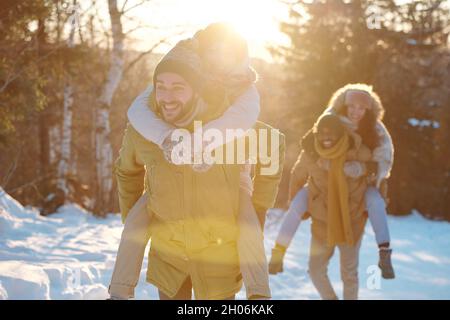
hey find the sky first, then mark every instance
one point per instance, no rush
(257, 20)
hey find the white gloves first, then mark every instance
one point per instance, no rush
(354, 169)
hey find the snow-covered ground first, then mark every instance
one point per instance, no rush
(70, 255)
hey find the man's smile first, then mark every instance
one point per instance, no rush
(327, 143)
(171, 108)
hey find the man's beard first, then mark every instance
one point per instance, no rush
(185, 108)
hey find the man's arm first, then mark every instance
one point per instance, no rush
(266, 185)
(130, 173)
(299, 175)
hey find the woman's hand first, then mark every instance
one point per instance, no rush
(354, 169)
(276, 261)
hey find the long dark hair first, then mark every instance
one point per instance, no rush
(366, 129)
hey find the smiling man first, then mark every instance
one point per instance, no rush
(194, 215)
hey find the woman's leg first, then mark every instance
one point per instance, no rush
(135, 236)
(252, 258)
(376, 208)
(298, 207)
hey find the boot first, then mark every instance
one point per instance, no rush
(385, 264)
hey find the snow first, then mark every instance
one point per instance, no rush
(423, 123)
(421, 259)
(412, 42)
(71, 254)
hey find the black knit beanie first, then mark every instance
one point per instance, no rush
(183, 59)
(331, 122)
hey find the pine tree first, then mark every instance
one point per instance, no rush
(398, 48)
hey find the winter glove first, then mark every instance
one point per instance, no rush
(276, 261)
(179, 157)
(354, 169)
(323, 164)
(167, 147)
(203, 166)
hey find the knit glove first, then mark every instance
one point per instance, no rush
(203, 166)
(276, 260)
(323, 164)
(167, 147)
(354, 169)
(178, 157)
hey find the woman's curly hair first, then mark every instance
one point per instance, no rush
(367, 126)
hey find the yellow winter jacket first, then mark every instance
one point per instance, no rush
(306, 170)
(194, 216)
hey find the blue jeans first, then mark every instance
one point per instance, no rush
(376, 209)
(375, 205)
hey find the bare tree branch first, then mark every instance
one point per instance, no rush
(123, 6)
(31, 183)
(124, 11)
(142, 55)
(149, 51)
(154, 27)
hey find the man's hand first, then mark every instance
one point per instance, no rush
(176, 158)
(203, 166)
(167, 148)
(354, 169)
(276, 261)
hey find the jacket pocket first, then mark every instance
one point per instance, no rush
(221, 261)
(165, 194)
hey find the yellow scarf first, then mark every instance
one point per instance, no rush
(339, 228)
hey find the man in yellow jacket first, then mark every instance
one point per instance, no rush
(194, 225)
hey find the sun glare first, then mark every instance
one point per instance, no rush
(256, 20)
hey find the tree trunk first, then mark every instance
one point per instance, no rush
(103, 130)
(43, 125)
(66, 139)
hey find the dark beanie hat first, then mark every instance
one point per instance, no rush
(184, 60)
(330, 121)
